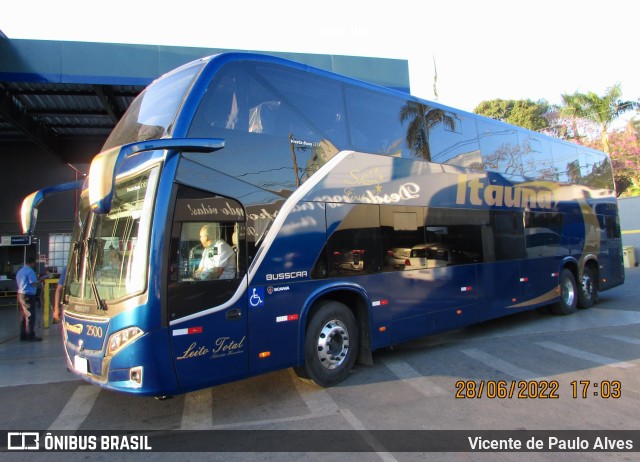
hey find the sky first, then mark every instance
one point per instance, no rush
(482, 49)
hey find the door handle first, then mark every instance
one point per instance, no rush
(233, 314)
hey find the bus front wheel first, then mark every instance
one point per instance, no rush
(331, 345)
(568, 302)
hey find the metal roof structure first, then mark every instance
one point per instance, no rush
(63, 119)
(66, 97)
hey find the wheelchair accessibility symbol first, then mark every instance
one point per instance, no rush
(256, 298)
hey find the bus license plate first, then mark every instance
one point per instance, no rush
(81, 364)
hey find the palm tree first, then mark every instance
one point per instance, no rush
(422, 119)
(599, 109)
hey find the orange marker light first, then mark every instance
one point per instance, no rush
(383, 328)
(264, 354)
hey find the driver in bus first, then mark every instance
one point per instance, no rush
(218, 258)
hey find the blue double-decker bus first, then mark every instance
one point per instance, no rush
(249, 214)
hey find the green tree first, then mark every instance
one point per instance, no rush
(524, 113)
(599, 109)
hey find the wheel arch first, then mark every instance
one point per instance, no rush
(572, 265)
(591, 262)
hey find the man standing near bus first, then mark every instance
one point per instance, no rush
(218, 258)
(28, 281)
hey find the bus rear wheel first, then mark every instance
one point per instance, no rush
(331, 345)
(568, 303)
(588, 291)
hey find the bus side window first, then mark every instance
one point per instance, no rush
(203, 246)
(375, 124)
(543, 232)
(456, 235)
(355, 245)
(208, 251)
(402, 236)
(612, 226)
(208, 232)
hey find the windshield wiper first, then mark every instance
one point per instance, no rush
(100, 303)
(77, 246)
(92, 256)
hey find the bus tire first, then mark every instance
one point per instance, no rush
(588, 290)
(331, 345)
(568, 303)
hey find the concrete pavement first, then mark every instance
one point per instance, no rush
(30, 362)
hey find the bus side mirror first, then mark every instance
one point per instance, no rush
(102, 173)
(29, 209)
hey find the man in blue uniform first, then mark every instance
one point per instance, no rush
(27, 281)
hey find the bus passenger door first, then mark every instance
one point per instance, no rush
(501, 277)
(205, 311)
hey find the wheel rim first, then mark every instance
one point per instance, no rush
(568, 292)
(587, 287)
(333, 344)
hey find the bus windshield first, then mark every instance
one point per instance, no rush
(152, 113)
(109, 255)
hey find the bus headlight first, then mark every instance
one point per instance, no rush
(122, 338)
